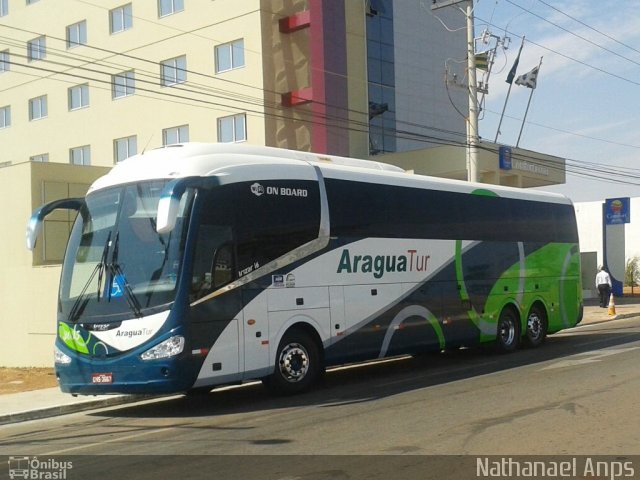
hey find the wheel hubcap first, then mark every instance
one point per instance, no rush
(534, 325)
(507, 332)
(294, 362)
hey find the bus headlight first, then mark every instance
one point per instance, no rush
(169, 348)
(59, 357)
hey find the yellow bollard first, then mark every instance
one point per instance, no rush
(612, 305)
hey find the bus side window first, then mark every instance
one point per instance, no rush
(212, 261)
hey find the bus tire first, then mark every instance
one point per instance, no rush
(536, 327)
(297, 364)
(508, 332)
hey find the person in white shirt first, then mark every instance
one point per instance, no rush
(603, 284)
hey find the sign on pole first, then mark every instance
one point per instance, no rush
(617, 211)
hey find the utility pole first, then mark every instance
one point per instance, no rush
(473, 174)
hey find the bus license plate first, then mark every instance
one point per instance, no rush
(102, 378)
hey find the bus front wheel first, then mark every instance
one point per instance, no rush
(508, 334)
(297, 364)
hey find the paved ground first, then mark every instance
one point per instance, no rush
(27, 394)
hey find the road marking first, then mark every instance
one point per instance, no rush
(111, 440)
(592, 356)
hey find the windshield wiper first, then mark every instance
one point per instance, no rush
(102, 265)
(117, 275)
(81, 301)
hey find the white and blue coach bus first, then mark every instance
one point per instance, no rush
(198, 265)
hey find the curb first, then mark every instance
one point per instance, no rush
(620, 316)
(55, 411)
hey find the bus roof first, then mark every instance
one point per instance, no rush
(207, 159)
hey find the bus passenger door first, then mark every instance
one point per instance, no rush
(216, 313)
(214, 333)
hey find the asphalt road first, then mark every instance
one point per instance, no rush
(579, 394)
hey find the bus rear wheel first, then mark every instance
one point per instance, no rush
(508, 334)
(536, 327)
(297, 364)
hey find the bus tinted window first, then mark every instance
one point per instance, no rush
(214, 242)
(273, 218)
(375, 210)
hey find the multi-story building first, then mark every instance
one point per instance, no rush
(84, 85)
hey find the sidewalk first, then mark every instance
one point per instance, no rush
(18, 407)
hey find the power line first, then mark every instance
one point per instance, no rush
(221, 93)
(216, 78)
(250, 99)
(403, 134)
(567, 132)
(590, 27)
(573, 33)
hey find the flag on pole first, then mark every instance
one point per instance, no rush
(512, 72)
(529, 79)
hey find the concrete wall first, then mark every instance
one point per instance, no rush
(589, 265)
(451, 162)
(28, 286)
(623, 240)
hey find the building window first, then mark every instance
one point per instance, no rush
(77, 34)
(124, 148)
(121, 18)
(232, 129)
(43, 157)
(230, 56)
(123, 84)
(37, 48)
(169, 7)
(79, 96)
(173, 71)
(4, 61)
(80, 155)
(5, 116)
(4, 8)
(381, 78)
(175, 135)
(38, 108)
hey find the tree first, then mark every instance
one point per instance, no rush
(632, 272)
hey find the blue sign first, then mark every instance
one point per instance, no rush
(504, 154)
(617, 211)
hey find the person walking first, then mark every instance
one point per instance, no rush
(603, 284)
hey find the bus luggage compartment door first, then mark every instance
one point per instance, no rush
(288, 306)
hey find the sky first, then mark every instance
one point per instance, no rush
(585, 107)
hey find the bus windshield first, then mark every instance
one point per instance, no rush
(116, 265)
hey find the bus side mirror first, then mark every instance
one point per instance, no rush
(168, 212)
(37, 217)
